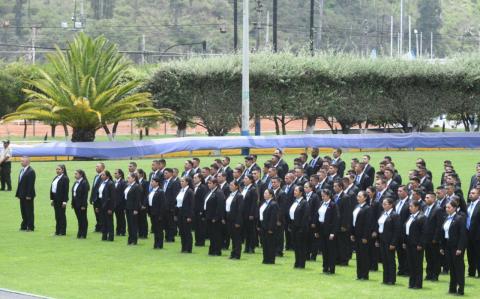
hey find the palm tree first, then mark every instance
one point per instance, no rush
(85, 88)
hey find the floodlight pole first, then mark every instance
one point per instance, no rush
(245, 74)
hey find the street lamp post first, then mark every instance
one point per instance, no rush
(245, 75)
(416, 42)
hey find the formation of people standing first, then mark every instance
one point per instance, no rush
(318, 207)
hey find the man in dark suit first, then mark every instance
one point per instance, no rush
(200, 190)
(425, 181)
(250, 213)
(282, 167)
(26, 194)
(234, 219)
(250, 165)
(196, 166)
(369, 169)
(362, 179)
(261, 187)
(289, 198)
(171, 187)
(391, 184)
(323, 182)
(226, 168)
(300, 178)
(333, 174)
(473, 233)
(157, 171)
(281, 198)
(337, 160)
(402, 209)
(188, 169)
(433, 225)
(97, 181)
(316, 161)
(345, 220)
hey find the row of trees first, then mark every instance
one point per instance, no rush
(338, 89)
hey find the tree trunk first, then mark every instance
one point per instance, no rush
(24, 129)
(311, 121)
(114, 129)
(53, 129)
(277, 126)
(65, 130)
(147, 131)
(83, 135)
(284, 124)
(182, 128)
(107, 130)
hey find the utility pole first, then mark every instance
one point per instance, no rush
(416, 41)
(143, 49)
(245, 74)
(34, 38)
(401, 26)
(258, 25)
(409, 35)
(421, 44)
(275, 11)
(235, 25)
(267, 30)
(320, 24)
(391, 36)
(431, 45)
(312, 30)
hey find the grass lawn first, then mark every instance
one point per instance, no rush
(64, 267)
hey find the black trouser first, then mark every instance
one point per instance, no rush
(6, 170)
(311, 244)
(235, 234)
(132, 227)
(157, 228)
(185, 230)
(402, 260)
(344, 247)
(388, 261)
(457, 269)
(142, 224)
(374, 255)
(329, 252)
(280, 239)
(432, 255)
(299, 245)
(82, 222)
(268, 246)
(249, 235)
(225, 236)
(473, 256)
(27, 211)
(121, 224)
(215, 235)
(363, 259)
(415, 266)
(107, 227)
(200, 230)
(171, 227)
(98, 216)
(60, 218)
(288, 237)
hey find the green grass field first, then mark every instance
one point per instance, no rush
(64, 267)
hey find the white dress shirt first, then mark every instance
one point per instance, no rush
(263, 208)
(180, 197)
(228, 203)
(308, 196)
(382, 219)
(291, 212)
(127, 190)
(446, 225)
(75, 187)
(55, 183)
(356, 211)
(22, 172)
(322, 211)
(409, 223)
(207, 198)
(100, 189)
(151, 195)
(245, 190)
